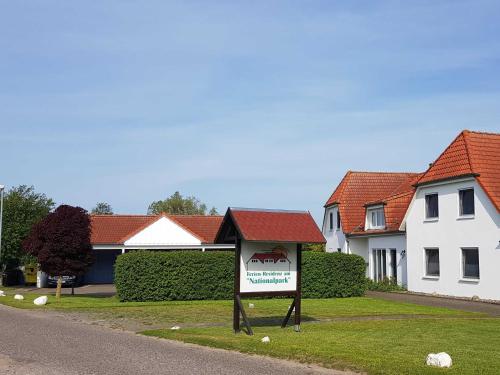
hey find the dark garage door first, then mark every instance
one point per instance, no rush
(101, 271)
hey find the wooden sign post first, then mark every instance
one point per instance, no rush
(268, 256)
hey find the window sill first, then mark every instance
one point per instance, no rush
(465, 217)
(430, 277)
(431, 220)
(470, 281)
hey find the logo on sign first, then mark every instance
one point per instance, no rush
(269, 267)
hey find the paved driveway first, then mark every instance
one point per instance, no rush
(450, 303)
(98, 290)
(37, 343)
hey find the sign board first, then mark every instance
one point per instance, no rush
(267, 262)
(267, 267)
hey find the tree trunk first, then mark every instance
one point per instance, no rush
(59, 286)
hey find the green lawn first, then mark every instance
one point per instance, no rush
(377, 347)
(220, 311)
(365, 334)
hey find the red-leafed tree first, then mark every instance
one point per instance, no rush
(61, 243)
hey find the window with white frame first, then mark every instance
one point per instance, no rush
(466, 202)
(330, 220)
(431, 206)
(338, 218)
(375, 218)
(470, 263)
(432, 262)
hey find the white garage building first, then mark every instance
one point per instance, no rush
(113, 235)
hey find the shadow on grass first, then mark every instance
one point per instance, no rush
(277, 320)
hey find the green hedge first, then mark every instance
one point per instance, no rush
(195, 275)
(174, 275)
(328, 275)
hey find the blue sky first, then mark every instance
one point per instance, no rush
(253, 104)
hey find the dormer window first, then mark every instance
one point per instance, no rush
(375, 218)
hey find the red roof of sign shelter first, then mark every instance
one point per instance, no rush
(273, 225)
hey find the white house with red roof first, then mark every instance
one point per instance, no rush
(113, 235)
(435, 232)
(363, 216)
(453, 222)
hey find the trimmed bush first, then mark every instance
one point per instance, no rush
(174, 275)
(386, 285)
(328, 275)
(195, 275)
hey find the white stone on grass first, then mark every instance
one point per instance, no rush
(251, 305)
(439, 360)
(175, 328)
(19, 297)
(266, 339)
(2, 293)
(40, 301)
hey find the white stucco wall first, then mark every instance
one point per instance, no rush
(451, 233)
(335, 238)
(163, 232)
(359, 246)
(388, 243)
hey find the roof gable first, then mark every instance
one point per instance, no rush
(453, 162)
(163, 231)
(121, 229)
(357, 189)
(271, 226)
(470, 153)
(113, 229)
(204, 227)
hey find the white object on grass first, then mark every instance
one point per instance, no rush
(2, 293)
(251, 305)
(19, 297)
(439, 360)
(175, 328)
(266, 339)
(40, 301)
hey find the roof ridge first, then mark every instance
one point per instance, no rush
(140, 228)
(480, 132)
(267, 210)
(196, 215)
(469, 159)
(170, 217)
(441, 154)
(124, 215)
(381, 172)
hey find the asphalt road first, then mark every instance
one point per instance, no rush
(38, 343)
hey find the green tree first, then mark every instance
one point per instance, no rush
(102, 208)
(213, 212)
(23, 207)
(316, 247)
(176, 204)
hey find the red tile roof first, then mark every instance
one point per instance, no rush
(471, 153)
(275, 225)
(357, 189)
(204, 227)
(116, 229)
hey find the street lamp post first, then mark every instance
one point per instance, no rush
(2, 187)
